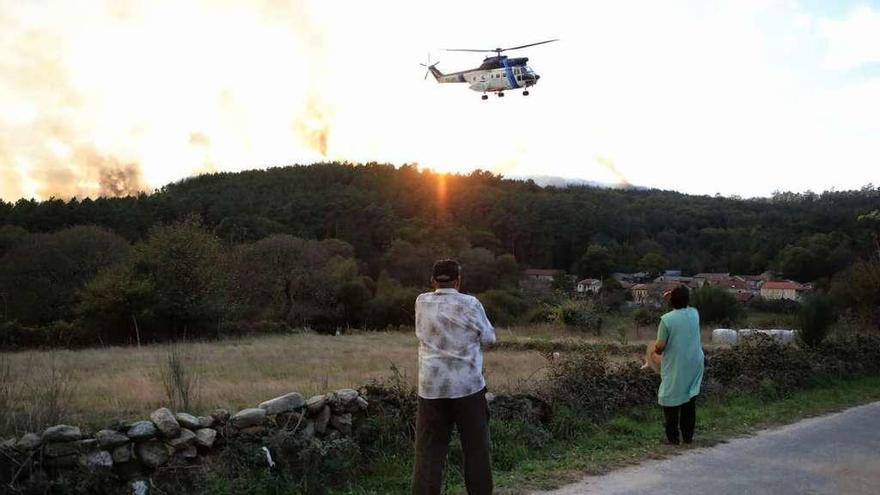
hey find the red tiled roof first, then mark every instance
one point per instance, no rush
(640, 287)
(782, 284)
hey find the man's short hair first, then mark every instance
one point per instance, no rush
(446, 270)
(680, 297)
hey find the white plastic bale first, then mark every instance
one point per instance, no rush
(783, 336)
(724, 336)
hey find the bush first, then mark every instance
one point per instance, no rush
(716, 305)
(815, 318)
(646, 315)
(14, 335)
(503, 307)
(587, 382)
(583, 315)
(780, 306)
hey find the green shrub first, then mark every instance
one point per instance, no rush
(716, 305)
(583, 315)
(586, 381)
(646, 315)
(780, 306)
(815, 318)
(504, 307)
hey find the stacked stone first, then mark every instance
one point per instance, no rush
(173, 437)
(321, 415)
(166, 436)
(179, 438)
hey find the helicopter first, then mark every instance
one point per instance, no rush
(496, 74)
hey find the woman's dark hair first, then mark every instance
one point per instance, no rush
(680, 297)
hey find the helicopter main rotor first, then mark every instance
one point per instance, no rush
(498, 50)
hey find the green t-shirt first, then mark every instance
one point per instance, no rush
(681, 370)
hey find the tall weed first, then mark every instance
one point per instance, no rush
(181, 378)
(8, 389)
(46, 400)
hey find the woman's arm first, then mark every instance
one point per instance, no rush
(659, 346)
(662, 336)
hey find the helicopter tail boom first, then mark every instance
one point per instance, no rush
(435, 72)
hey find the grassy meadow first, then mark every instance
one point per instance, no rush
(94, 386)
(98, 385)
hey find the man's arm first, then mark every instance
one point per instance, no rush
(487, 332)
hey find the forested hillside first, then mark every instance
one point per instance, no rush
(350, 244)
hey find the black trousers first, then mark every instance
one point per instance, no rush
(434, 423)
(681, 418)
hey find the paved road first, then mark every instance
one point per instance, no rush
(834, 454)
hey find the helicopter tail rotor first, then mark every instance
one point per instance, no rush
(430, 68)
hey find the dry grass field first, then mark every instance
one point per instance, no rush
(95, 386)
(126, 382)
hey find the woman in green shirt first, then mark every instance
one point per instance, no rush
(681, 370)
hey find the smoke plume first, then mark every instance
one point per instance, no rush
(109, 99)
(612, 168)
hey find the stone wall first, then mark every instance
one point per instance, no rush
(134, 450)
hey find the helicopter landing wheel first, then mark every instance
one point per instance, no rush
(526, 93)
(484, 97)
(501, 94)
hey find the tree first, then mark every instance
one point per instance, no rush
(857, 288)
(653, 263)
(595, 262)
(479, 270)
(41, 273)
(114, 299)
(815, 318)
(298, 281)
(508, 271)
(871, 222)
(10, 235)
(182, 264)
(798, 263)
(393, 304)
(716, 305)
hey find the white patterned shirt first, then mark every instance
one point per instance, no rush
(450, 327)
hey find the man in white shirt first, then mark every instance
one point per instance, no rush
(450, 327)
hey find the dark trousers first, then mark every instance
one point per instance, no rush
(683, 417)
(433, 430)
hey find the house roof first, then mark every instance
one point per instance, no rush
(589, 281)
(730, 283)
(782, 284)
(641, 287)
(712, 276)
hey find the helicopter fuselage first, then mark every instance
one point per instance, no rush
(495, 74)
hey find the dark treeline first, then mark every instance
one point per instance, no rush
(339, 244)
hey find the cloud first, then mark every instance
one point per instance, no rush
(852, 41)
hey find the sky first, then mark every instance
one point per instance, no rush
(726, 97)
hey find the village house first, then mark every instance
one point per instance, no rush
(538, 279)
(674, 279)
(633, 278)
(783, 289)
(651, 294)
(588, 286)
(701, 279)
